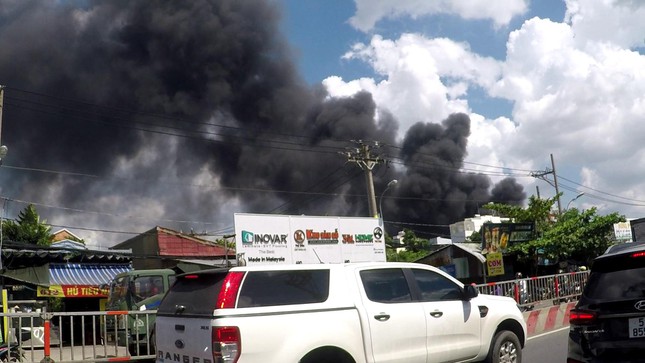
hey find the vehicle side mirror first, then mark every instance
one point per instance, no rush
(470, 292)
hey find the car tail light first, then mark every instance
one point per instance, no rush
(227, 344)
(638, 254)
(228, 293)
(581, 317)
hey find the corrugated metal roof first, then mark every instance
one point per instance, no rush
(84, 274)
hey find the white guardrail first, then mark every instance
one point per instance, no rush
(55, 337)
(532, 292)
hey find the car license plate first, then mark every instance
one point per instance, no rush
(637, 327)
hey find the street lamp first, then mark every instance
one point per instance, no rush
(380, 203)
(571, 201)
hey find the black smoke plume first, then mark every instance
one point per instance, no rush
(120, 115)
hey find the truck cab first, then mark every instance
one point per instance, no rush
(140, 291)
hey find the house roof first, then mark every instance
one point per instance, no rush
(64, 232)
(69, 244)
(173, 243)
(470, 248)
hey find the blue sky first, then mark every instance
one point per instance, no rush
(551, 92)
(320, 33)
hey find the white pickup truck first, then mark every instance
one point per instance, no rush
(338, 313)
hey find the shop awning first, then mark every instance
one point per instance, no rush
(84, 274)
(67, 274)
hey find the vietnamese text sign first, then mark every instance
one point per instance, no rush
(71, 291)
(495, 263)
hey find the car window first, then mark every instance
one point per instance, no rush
(616, 285)
(273, 288)
(147, 286)
(435, 287)
(386, 285)
(196, 295)
(118, 289)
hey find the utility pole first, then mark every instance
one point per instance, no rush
(363, 157)
(3, 149)
(3, 153)
(541, 175)
(555, 182)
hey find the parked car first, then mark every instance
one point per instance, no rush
(608, 322)
(335, 313)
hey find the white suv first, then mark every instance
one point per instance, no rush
(341, 313)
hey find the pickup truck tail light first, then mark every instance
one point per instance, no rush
(227, 344)
(228, 293)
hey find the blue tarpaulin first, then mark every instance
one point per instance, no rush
(84, 274)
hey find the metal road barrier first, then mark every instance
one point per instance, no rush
(532, 292)
(78, 336)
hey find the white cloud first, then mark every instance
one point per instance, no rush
(619, 22)
(577, 87)
(369, 12)
(422, 79)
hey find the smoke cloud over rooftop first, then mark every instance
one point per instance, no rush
(123, 115)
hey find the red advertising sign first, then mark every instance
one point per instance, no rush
(71, 291)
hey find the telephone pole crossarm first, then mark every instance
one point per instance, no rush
(542, 174)
(366, 161)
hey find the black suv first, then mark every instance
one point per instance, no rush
(608, 322)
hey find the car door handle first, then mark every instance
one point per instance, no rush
(382, 317)
(436, 314)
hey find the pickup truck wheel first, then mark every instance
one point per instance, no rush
(506, 348)
(327, 355)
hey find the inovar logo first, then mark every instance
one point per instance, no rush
(249, 238)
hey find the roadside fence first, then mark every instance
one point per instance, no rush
(66, 337)
(542, 290)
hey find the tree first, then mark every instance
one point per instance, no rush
(475, 237)
(27, 228)
(414, 248)
(538, 212)
(578, 235)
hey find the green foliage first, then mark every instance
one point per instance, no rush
(225, 243)
(412, 242)
(578, 235)
(56, 304)
(76, 239)
(414, 248)
(475, 237)
(538, 211)
(27, 228)
(405, 256)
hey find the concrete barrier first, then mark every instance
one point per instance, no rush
(550, 318)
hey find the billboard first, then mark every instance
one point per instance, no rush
(623, 232)
(496, 237)
(262, 239)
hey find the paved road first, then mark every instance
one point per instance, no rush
(549, 347)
